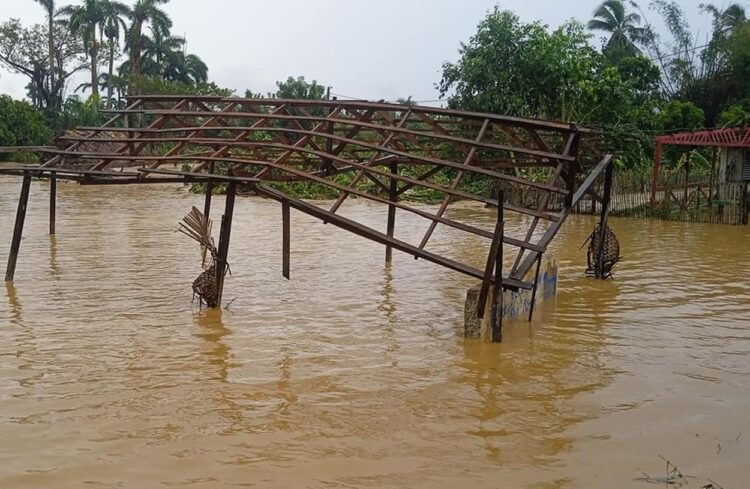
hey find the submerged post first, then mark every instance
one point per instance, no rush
(286, 238)
(392, 197)
(599, 267)
(18, 228)
(497, 291)
(225, 234)
(52, 202)
(536, 286)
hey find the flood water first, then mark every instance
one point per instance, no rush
(353, 374)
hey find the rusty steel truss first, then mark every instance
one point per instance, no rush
(376, 151)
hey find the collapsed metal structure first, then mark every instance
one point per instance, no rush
(375, 151)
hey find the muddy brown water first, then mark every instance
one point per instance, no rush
(353, 374)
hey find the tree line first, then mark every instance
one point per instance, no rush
(93, 37)
(637, 84)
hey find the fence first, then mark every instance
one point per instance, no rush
(678, 196)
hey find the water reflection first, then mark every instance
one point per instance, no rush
(387, 306)
(525, 383)
(212, 330)
(53, 267)
(16, 309)
(288, 397)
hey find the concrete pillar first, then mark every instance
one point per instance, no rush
(514, 304)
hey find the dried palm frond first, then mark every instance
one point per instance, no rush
(198, 228)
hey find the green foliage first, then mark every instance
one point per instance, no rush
(641, 73)
(520, 69)
(298, 88)
(21, 124)
(24, 50)
(693, 71)
(611, 16)
(738, 47)
(76, 112)
(681, 116)
(158, 86)
(144, 14)
(523, 69)
(736, 115)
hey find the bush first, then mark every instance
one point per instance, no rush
(76, 112)
(21, 125)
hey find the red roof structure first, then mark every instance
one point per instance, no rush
(731, 137)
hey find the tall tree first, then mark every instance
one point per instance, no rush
(196, 68)
(49, 8)
(114, 14)
(189, 69)
(144, 13)
(160, 52)
(86, 21)
(727, 20)
(694, 71)
(624, 28)
(23, 50)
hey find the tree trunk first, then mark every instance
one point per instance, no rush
(94, 70)
(51, 47)
(111, 70)
(135, 55)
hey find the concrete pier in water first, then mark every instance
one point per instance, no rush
(514, 304)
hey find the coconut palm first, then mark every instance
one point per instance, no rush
(196, 68)
(626, 33)
(163, 50)
(86, 21)
(188, 69)
(144, 13)
(727, 20)
(115, 84)
(111, 84)
(113, 21)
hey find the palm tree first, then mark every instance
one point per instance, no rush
(189, 69)
(612, 17)
(49, 7)
(86, 21)
(144, 12)
(115, 83)
(163, 49)
(727, 20)
(113, 20)
(196, 68)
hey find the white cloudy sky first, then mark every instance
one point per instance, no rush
(363, 48)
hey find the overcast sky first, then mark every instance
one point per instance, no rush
(363, 48)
